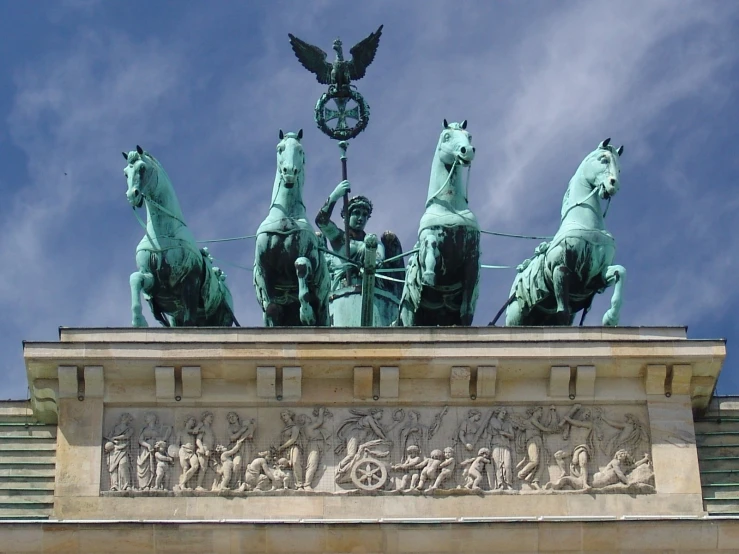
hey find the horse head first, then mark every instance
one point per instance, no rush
(290, 159)
(140, 172)
(602, 167)
(455, 144)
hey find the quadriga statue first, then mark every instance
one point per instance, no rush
(290, 273)
(177, 278)
(441, 283)
(564, 275)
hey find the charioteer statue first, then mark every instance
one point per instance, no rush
(347, 274)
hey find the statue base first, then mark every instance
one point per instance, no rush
(342, 425)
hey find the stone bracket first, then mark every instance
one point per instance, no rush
(192, 382)
(559, 381)
(487, 377)
(165, 386)
(292, 383)
(389, 382)
(76, 383)
(572, 382)
(267, 382)
(459, 382)
(363, 382)
(664, 380)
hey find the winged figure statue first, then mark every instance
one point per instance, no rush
(341, 72)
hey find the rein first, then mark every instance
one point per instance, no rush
(588, 197)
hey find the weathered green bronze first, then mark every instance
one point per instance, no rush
(564, 275)
(291, 276)
(338, 75)
(177, 278)
(441, 284)
(348, 299)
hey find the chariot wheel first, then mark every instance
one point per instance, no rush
(369, 474)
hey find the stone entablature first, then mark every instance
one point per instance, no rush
(554, 418)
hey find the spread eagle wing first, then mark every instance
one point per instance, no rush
(362, 54)
(313, 59)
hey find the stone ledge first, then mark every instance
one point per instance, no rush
(675, 536)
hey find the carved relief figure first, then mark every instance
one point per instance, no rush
(315, 438)
(446, 469)
(281, 475)
(237, 430)
(573, 478)
(292, 445)
(188, 458)
(258, 475)
(146, 462)
(631, 434)
(532, 428)
(117, 448)
(164, 462)
(430, 468)
(469, 431)
(623, 469)
(409, 467)
(582, 432)
(475, 467)
(225, 465)
(206, 443)
(360, 428)
(501, 435)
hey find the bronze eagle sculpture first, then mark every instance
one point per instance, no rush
(341, 72)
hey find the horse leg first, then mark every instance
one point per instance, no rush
(427, 257)
(513, 313)
(271, 312)
(140, 281)
(615, 275)
(303, 269)
(561, 282)
(470, 282)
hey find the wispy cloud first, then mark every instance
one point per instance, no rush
(540, 83)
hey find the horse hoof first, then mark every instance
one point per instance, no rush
(429, 278)
(139, 321)
(610, 319)
(301, 267)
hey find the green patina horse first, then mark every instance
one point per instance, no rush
(291, 277)
(564, 275)
(441, 283)
(177, 278)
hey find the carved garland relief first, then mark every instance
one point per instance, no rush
(430, 451)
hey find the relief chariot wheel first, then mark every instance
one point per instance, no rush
(369, 474)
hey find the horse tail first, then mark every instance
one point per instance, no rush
(508, 302)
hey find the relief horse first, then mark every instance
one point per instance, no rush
(564, 275)
(176, 277)
(291, 277)
(441, 282)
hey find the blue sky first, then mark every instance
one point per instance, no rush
(207, 89)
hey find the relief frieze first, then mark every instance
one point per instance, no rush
(493, 450)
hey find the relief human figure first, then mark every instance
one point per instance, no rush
(117, 448)
(164, 462)
(430, 468)
(631, 433)
(281, 475)
(237, 430)
(292, 445)
(360, 428)
(206, 443)
(532, 429)
(475, 468)
(146, 461)
(315, 438)
(618, 470)
(186, 440)
(225, 465)
(583, 432)
(258, 475)
(410, 468)
(469, 430)
(501, 434)
(573, 478)
(446, 469)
